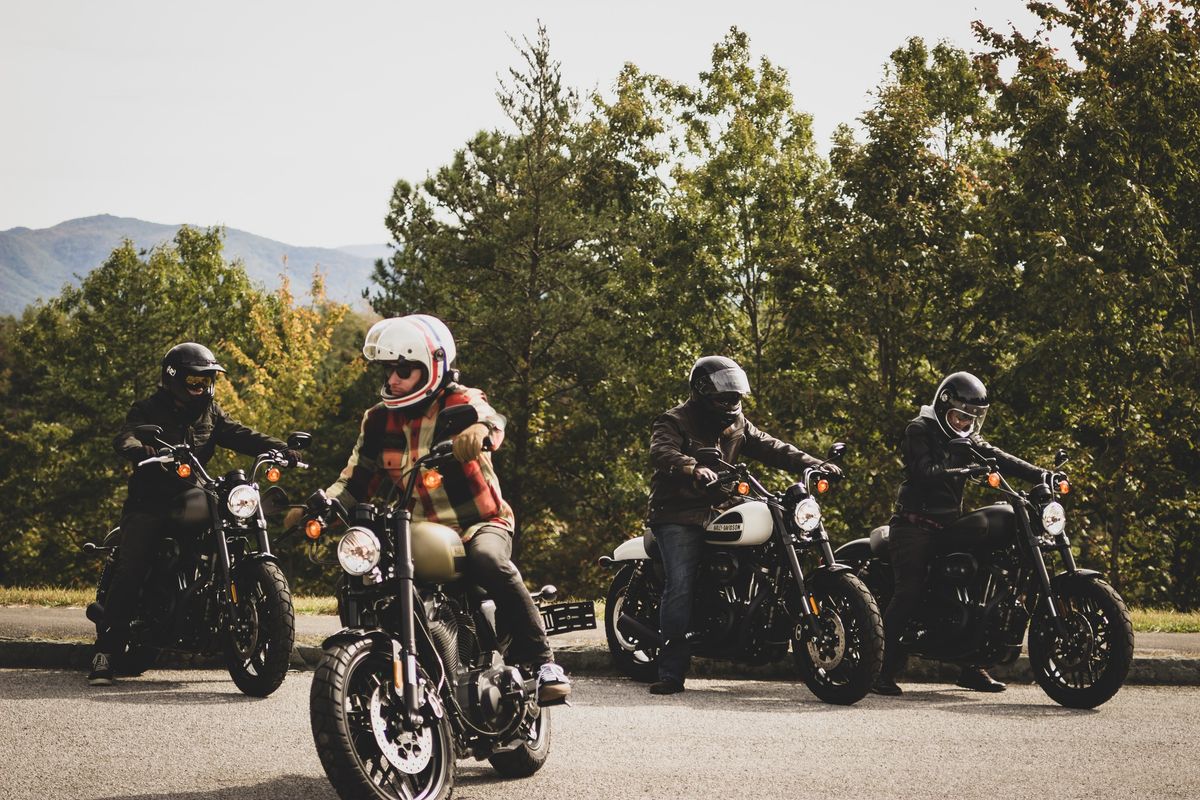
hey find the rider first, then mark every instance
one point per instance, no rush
(680, 502)
(184, 408)
(930, 500)
(414, 355)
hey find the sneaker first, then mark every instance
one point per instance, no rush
(977, 679)
(101, 674)
(666, 686)
(553, 685)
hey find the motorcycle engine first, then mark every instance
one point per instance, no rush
(496, 692)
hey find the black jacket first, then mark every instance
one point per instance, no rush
(678, 434)
(152, 484)
(927, 490)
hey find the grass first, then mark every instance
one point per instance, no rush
(1145, 620)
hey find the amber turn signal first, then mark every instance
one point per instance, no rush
(743, 488)
(273, 474)
(183, 471)
(994, 480)
(312, 529)
(822, 486)
(1063, 487)
(432, 479)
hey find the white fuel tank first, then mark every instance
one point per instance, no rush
(743, 525)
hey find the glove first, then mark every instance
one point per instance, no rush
(293, 457)
(140, 452)
(704, 476)
(469, 444)
(832, 469)
(292, 518)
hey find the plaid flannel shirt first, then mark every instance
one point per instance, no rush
(390, 441)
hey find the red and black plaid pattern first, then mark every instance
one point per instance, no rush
(390, 441)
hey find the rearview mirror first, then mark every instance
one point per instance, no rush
(146, 434)
(837, 451)
(298, 440)
(274, 501)
(708, 456)
(1060, 458)
(453, 421)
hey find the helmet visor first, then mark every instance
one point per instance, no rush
(204, 381)
(732, 379)
(965, 419)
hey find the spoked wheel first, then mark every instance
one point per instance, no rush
(258, 647)
(356, 724)
(532, 753)
(630, 594)
(845, 660)
(1087, 666)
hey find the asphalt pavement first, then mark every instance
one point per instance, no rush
(189, 735)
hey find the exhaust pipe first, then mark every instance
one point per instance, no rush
(632, 628)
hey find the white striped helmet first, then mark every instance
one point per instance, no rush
(417, 338)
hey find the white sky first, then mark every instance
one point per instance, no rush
(293, 120)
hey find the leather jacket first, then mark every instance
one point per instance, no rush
(152, 485)
(674, 441)
(927, 491)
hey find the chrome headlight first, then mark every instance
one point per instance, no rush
(807, 515)
(243, 501)
(1054, 518)
(358, 551)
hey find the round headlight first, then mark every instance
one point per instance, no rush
(243, 501)
(358, 551)
(807, 515)
(1054, 518)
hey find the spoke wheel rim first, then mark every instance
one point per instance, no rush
(1078, 660)
(838, 650)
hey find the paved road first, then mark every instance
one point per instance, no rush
(189, 735)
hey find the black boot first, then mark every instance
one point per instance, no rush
(977, 679)
(666, 686)
(893, 662)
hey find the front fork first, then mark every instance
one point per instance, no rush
(807, 604)
(1039, 566)
(404, 651)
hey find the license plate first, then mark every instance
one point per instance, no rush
(567, 617)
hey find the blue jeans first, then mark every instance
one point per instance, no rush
(681, 547)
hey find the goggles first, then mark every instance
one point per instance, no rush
(199, 381)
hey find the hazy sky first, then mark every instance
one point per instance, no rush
(293, 119)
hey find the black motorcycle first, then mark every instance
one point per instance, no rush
(214, 586)
(989, 583)
(417, 677)
(752, 598)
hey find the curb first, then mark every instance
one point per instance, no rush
(1162, 671)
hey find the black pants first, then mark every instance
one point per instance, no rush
(141, 532)
(489, 564)
(910, 549)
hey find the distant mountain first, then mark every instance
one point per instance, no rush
(37, 263)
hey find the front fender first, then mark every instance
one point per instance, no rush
(834, 569)
(256, 558)
(354, 634)
(855, 552)
(1079, 573)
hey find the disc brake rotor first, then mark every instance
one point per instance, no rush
(407, 751)
(827, 652)
(245, 628)
(1073, 650)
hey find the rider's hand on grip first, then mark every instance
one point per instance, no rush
(469, 444)
(704, 476)
(293, 518)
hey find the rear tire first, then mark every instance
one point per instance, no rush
(259, 643)
(1089, 666)
(530, 756)
(849, 653)
(353, 708)
(629, 594)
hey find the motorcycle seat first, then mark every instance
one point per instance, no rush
(651, 545)
(879, 540)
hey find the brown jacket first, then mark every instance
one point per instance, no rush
(678, 434)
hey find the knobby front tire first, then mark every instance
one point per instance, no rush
(846, 660)
(259, 643)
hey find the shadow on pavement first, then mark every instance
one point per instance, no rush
(286, 786)
(965, 701)
(144, 690)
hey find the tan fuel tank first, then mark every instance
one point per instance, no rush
(438, 553)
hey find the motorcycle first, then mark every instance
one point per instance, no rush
(752, 599)
(989, 584)
(417, 676)
(214, 585)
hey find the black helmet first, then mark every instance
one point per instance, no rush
(718, 385)
(190, 360)
(964, 395)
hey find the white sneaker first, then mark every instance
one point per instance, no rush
(553, 685)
